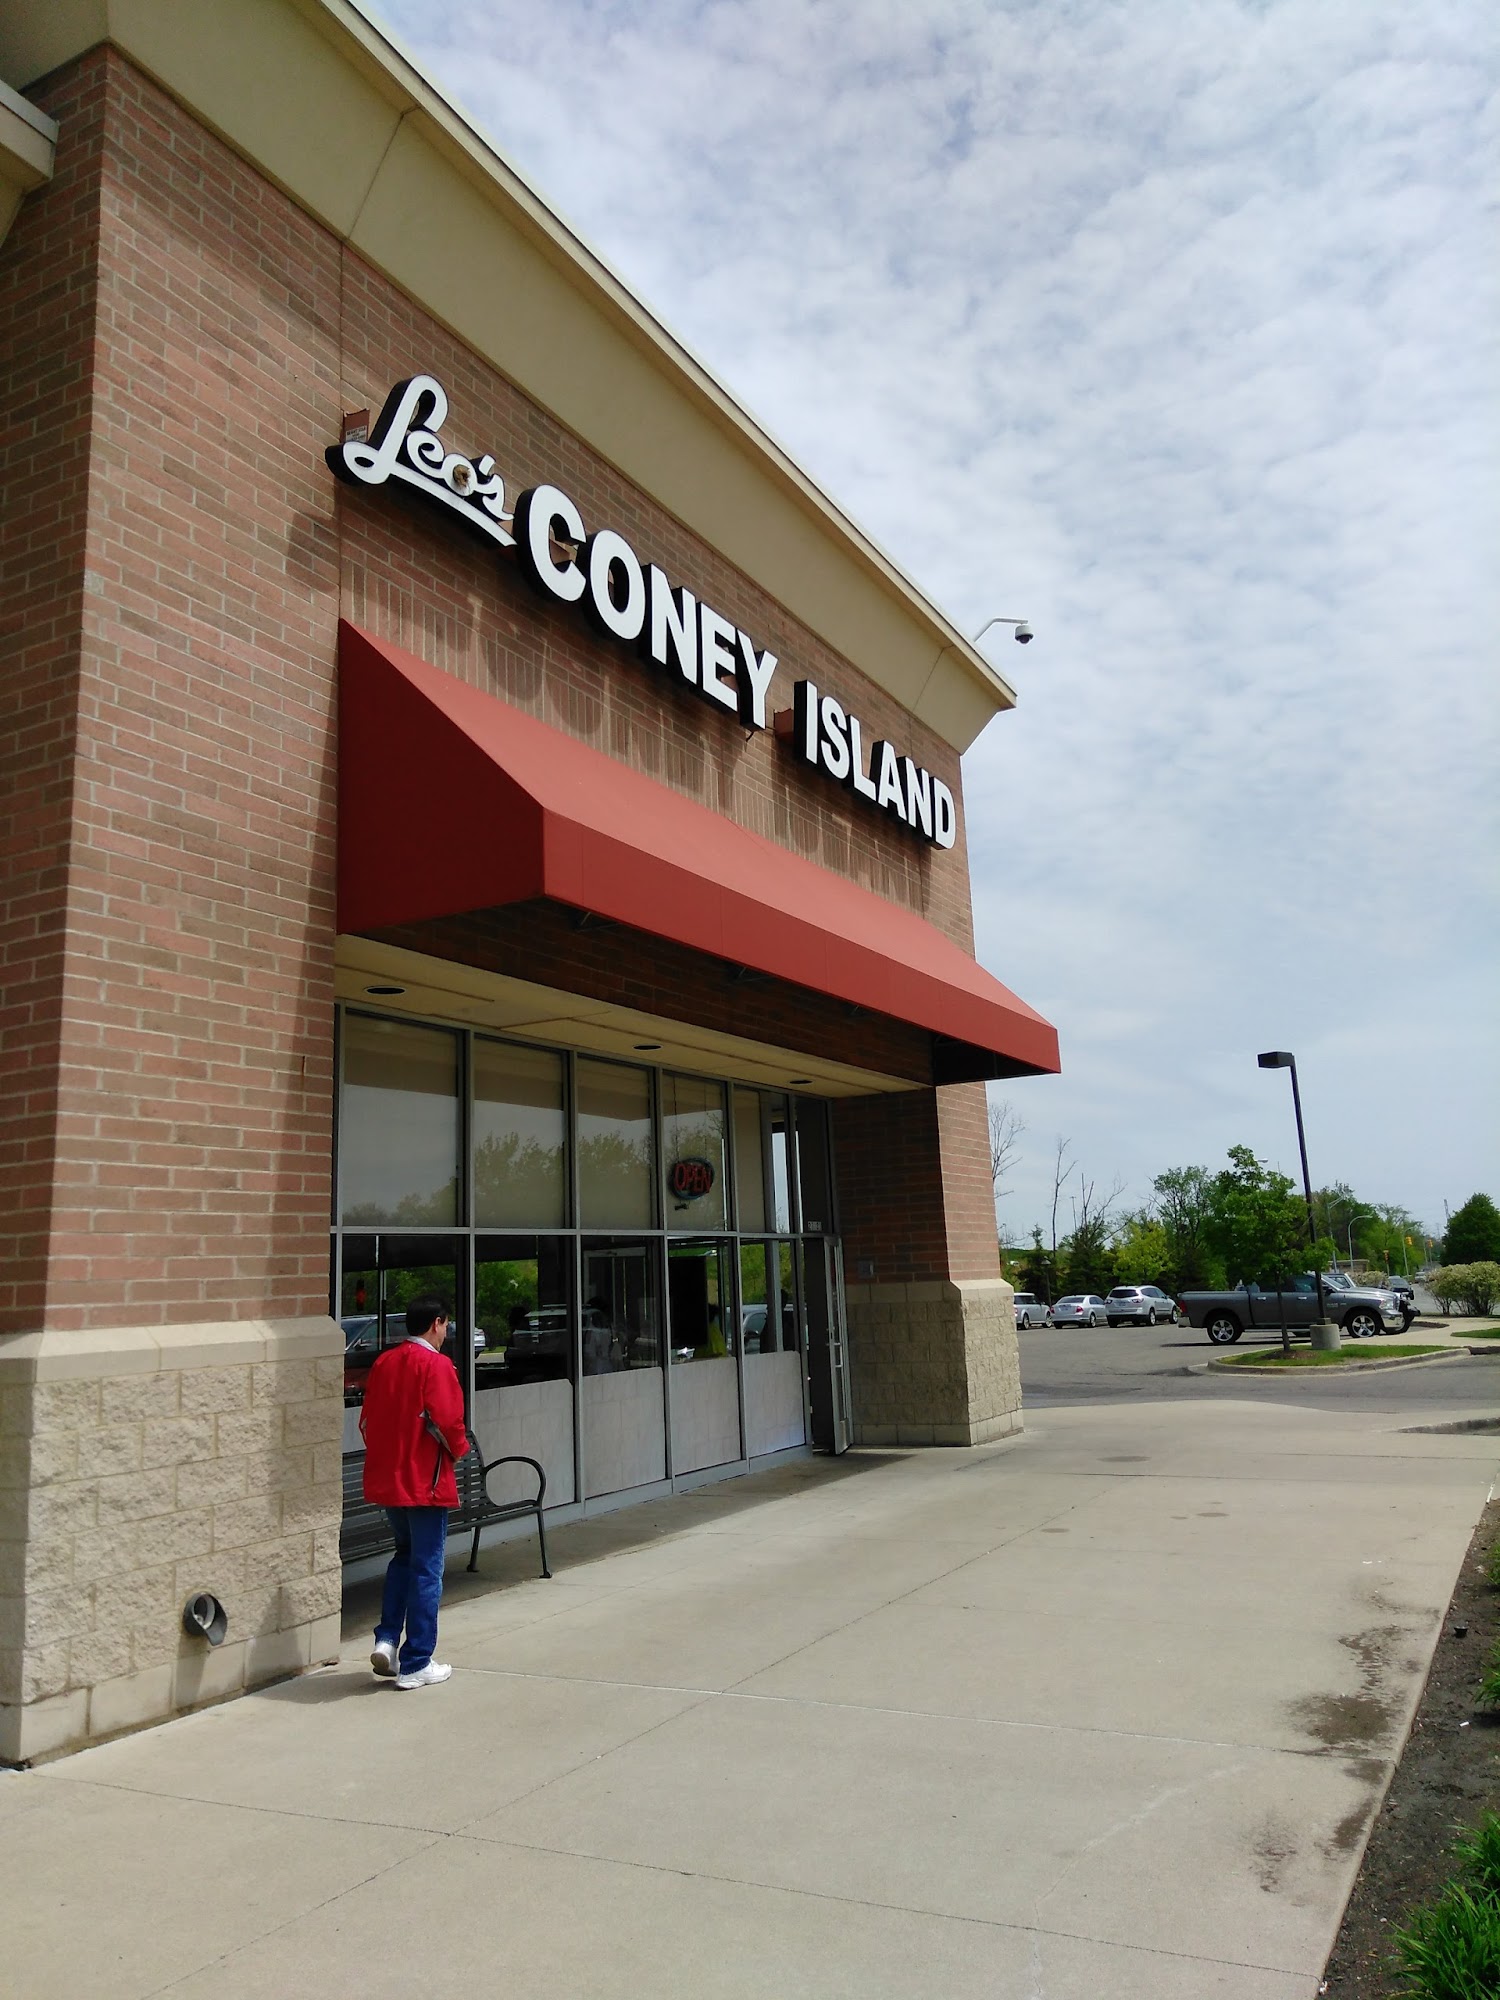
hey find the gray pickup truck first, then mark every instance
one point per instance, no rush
(1360, 1311)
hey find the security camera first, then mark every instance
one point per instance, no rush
(1023, 633)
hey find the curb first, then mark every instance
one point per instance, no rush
(1362, 1366)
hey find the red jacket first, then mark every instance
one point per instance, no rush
(405, 1466)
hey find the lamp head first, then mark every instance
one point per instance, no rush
(1023, 633)
(1275, 1059)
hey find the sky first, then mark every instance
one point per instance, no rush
(1172, 328)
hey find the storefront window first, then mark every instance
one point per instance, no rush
(520, 1129)
(749, 1159)
(624, 1420)
(705, 1340)
(398, 1124)
(524, 1373)
(614, 1146)
(692, 1144)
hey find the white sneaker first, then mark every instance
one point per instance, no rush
(427, 1676)
(383, 1659)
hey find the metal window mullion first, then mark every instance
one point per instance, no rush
(664, 1264)
(574, 1214)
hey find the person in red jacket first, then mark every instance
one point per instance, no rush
(413, 1427)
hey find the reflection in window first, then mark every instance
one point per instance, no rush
(699, 1295)
(614, 1146)
(749, 1159)
(692, 1145)
(621, 1307)
(519, 1134)
(757, 1321)
(768, 1301)
(398, 1123)
(522, 1294)
(781, 1173)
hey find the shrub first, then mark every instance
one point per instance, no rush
(1446, 1283)
(1489, 1687)
(1451, 1951)
(1479, 1289)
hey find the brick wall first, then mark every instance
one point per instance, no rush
(193, 1106)
(47, 283)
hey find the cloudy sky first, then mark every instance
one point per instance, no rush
(1170, 326)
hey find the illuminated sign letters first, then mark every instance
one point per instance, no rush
(635, 603)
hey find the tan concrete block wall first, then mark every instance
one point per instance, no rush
(934, 1363)
(137, 1467)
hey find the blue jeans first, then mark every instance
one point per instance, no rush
(414, 1583)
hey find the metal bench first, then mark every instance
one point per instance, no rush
(365, 1531)
(477, 1507)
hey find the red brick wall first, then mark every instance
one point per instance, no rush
(190, 628)
(192, 1170)
(47, 276)
(915, 1195)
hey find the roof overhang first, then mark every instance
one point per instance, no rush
(28, 141)
(494, 807)
(318, 97)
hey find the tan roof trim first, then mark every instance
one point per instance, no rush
(319, 98)
(28, 139)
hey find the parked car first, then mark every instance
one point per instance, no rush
(753, 1327)
(1141, 1305)
(1079, 1309)
(1406, 1297)
(1360, 1310)
(1031, 1311)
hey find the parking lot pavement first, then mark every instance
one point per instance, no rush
(1102, 1710)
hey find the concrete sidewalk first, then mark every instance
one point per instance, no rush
(1103, 1711)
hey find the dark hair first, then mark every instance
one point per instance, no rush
(422, 1312)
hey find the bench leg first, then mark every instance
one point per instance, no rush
(474, 1550)
(541, 1535)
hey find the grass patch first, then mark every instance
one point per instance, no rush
(1491, 1332)
(1319, 1357)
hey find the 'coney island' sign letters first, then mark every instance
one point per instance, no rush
(636, 603)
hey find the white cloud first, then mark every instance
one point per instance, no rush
(1174, 330)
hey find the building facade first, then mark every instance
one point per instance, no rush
(476, 818)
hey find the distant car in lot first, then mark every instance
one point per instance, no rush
(1141, 1305)
(1079, 1309)
(1031, 1311)
(753, 1327)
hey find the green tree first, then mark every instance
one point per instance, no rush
(1038, 1269)
(1257, 1223)
(1143, 1251)
(1183, 1206)
(1088, 1259)
(1473, 1233)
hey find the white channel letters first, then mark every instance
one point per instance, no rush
(635, 603)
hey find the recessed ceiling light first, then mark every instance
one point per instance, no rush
(383, 990)
(643, 1047)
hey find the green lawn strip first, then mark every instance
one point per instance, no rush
(1303, 1357)
(1490, 1332)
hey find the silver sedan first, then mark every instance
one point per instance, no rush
(1079, 1309)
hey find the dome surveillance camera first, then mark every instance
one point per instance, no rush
(1023, 634)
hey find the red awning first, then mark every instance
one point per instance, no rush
(451, 800)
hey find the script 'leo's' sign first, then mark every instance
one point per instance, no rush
(690, 1180)
(637, 604)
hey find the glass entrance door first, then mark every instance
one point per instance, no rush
(827, 1365)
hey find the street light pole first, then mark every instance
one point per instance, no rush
(1364, 1215)
(1284, 1059)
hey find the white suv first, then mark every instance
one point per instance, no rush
(1142, 1304)
(1030, 1311)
